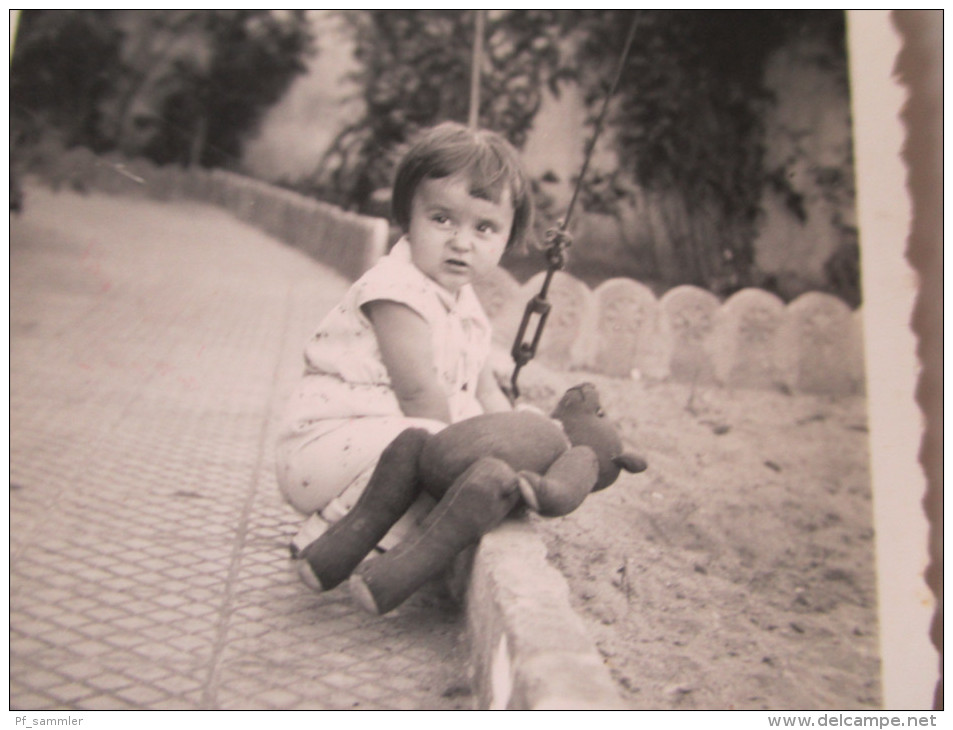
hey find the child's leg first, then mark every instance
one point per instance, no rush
(318, 464)
(391, 491)
(475, 504)
(318, 523)
(323, 469)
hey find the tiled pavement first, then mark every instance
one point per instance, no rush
(150, 346)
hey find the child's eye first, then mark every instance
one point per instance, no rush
(440, 218)
(486, 227)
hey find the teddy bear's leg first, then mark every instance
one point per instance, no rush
(392, 488)
(476, 502)
(565, 485)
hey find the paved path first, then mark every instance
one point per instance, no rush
(151, 344)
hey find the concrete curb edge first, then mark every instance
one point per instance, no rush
(529, 649)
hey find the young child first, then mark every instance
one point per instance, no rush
(409, 344)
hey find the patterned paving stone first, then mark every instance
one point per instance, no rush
(151, 345)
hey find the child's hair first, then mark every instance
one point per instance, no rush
(489, 161)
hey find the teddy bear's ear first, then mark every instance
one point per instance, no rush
(631, 463)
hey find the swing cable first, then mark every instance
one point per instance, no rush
(558, 239)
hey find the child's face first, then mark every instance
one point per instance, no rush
(455, 237)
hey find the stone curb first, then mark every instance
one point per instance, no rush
(529, 649)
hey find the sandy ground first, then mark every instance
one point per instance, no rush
(738, 570)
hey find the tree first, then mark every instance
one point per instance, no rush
(253, 56)
(64, 64)
(183, 86)
(689, 126)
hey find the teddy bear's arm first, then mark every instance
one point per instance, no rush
(565, 484)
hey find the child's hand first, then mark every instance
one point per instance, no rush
(490, 394)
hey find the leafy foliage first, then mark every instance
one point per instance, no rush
(65, 63)
(254, 56)
(175, 85)
(689, 123)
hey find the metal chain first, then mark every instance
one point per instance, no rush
(559, 239)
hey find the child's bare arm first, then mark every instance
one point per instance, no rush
(406, 348)
(489, 394)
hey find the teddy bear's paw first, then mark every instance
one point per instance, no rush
(362, 594)
(308, 577)
(528, 484)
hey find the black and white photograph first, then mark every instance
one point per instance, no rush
(621, 431)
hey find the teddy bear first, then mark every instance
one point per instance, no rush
(479, 471)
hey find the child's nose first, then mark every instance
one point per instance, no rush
(460, 240)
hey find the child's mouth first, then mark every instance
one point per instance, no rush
(457, 265)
